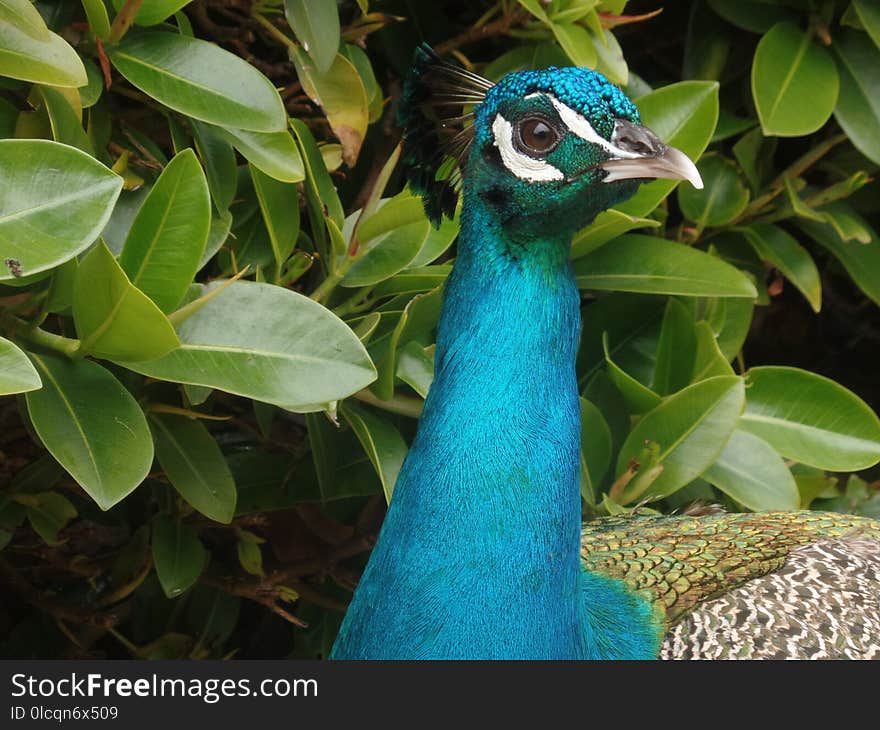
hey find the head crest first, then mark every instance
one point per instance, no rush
(438, 128)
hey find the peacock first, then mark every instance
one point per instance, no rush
(482, 554)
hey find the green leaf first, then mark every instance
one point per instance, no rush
(608, 225)
(869, 13)
(576, 42)
(415, 366)
(48, 514)
(17, 374)
(683, 115)
(178, 555)
(92, 425)
(386, 255)
(340, 92)
(194, 465)
(54, 201)
(167, 238)
(249, 554)
(610, 60)
(266, 343)
(751, 472)
(811, 419)
(723, 197)
(316, 25)
(639, 398)
(380, 440)
(689, 430)
(781, 249)
(27, 54)
(279, 204)
(652, 265)
(97, 17)
(676, 350)
(113, 318)
(218, 157)
(199, 79)
(757, 16)
(709, 361)
(25, 17)
(535, 8)
(858, 106)
(596, 449)
(154, 11)
(65, 121)
(274, 153)
(794, 82)
(861, 260)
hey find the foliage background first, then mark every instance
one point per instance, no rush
(217, 305)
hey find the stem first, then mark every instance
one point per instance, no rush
(123, 20)
(400, 404)
(796, 169)
(514, 16)
(36, 336)
(274, 32)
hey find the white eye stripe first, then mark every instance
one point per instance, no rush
(580, 126)
(523, 166)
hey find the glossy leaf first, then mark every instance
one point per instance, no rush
(782, 250)
(340, 92)
(576, 42)
(167, 238)
(751, 472)
(652, 265)
(48, 514)
(676, 349)
(596, 446)
(279, 204)
(683, 115)
(218, 159)
(178, 555)
(639, 398)
(54, 201)
(858, 106)
(861, 260)
(811, 419)
(723, 198)
(200, 79)
(269, 344)
(154, 11)
(794, 82)
(316, 24)
(686, 434)
(28, 54)
(274, 153)
(869, 14)
(113, 318)
(92, 425)
(709, 361)
(380, 440)
(757, 16)
(25, 17)
(17, 374)
(608, 225)
(194, 465)
(65, 120)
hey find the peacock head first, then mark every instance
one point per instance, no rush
(546, 150)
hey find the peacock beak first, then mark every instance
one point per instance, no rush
(641, 154)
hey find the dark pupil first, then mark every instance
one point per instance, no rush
(537, 134)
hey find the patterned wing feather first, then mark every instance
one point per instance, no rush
(728, 583)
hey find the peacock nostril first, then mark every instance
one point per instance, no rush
(636, 139)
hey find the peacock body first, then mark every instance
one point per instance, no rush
(482, 553)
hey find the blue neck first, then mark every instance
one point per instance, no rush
(479, 552)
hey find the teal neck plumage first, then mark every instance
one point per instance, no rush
(478, 555)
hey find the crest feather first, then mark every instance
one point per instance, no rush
(438, 128)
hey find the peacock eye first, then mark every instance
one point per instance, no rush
(536, 136)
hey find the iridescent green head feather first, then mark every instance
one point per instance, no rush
(550, 148)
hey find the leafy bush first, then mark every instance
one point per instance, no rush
(218, 306)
